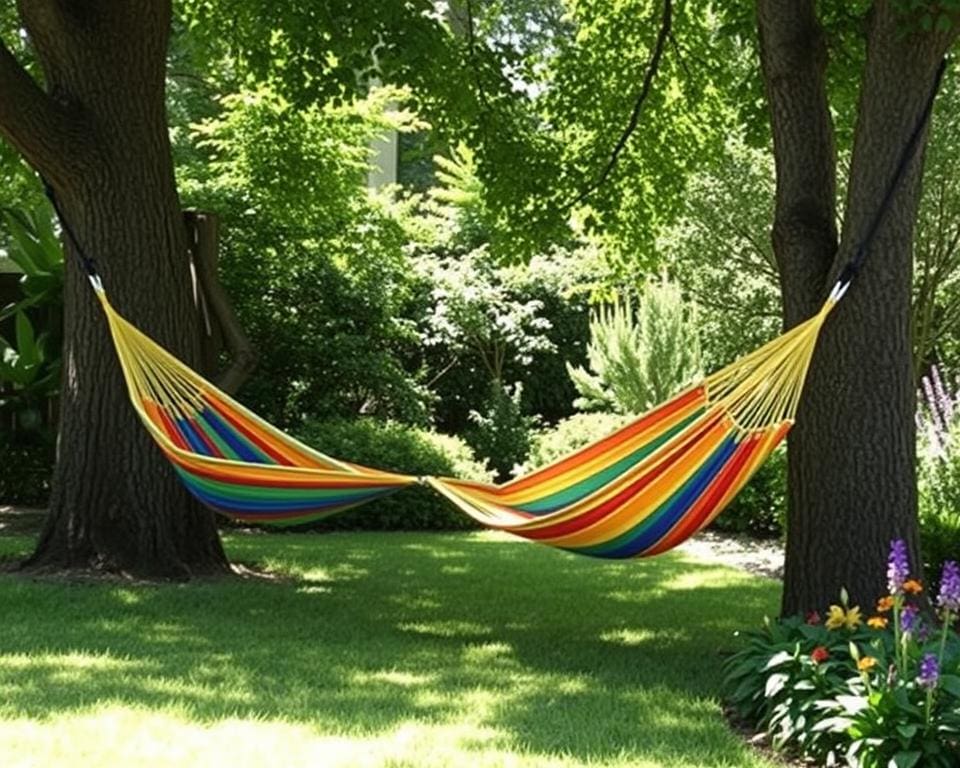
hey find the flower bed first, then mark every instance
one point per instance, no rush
(842, 690)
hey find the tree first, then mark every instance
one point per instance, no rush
(98, 133)
(852, 456)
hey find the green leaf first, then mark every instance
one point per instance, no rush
(951, 684)
(26, 341)
(775, 684)
(778, 659)
(907, 730)
(904, 759)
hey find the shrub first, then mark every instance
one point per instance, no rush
(759, 509)
(639, 359)
(501, 432)
(938, 472)
(391, 446)
(26, 466)
(883, 693)
(570, 434)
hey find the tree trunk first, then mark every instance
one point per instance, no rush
(116, 503)
(852, 478)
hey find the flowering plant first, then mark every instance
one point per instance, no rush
(884, 692)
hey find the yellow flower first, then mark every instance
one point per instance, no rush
(884, 604)
(866, 663)
(912, 586)
(839, 617)
(877, 622)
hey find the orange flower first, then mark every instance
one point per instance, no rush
(877, 622)
(884, 604)
(866, 663)
(912, 586)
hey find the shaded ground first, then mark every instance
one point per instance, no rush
(762, 558)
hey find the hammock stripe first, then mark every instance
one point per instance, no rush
(639, 491)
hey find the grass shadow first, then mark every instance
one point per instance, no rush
(521, 649)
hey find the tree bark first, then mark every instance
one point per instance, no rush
(115, 503)
(852, 477)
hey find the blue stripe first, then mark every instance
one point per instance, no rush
(670, 512)
(195, 441)
(238, 443)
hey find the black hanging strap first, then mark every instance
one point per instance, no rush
(909, 149)
(88, 264)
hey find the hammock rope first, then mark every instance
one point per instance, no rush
(637, 492)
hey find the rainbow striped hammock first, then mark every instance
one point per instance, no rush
(637, 492)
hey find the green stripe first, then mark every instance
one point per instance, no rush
(597, 481)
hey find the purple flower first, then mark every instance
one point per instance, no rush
(898, 566)
(929, 671)
(949, 597)
(908, 618)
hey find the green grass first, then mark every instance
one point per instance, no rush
(379, 650)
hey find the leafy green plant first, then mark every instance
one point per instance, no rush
(885, 692)
(31, 371)
(501, 432)
(35, 249)
(938, 470)
(639, 359)
(393, 446)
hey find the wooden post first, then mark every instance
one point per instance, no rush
(221, 330)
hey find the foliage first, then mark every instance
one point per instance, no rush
(936, 287)
(760, 508)
(501, 432)
(474, 310)
(885, 692)
(26, 465)
(938, 470)
(30, 363)
(313, 264)
(639, 359)
(394, 447)
(719, 250)
(570, 434)
(35, 248)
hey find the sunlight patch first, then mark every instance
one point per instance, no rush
(392, 677)
(449, 628)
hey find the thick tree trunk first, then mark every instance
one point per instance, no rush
(852, 477)
(116, 503)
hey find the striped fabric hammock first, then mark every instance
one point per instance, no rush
(640, 491)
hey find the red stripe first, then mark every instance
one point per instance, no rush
(172, 431)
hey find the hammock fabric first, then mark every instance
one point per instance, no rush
(640, 491)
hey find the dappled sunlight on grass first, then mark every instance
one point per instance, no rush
(383, 649)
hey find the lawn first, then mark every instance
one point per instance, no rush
(379, 650)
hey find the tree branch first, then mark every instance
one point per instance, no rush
(40, 129)
(662, 37)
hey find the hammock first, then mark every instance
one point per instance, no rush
(640, 491)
